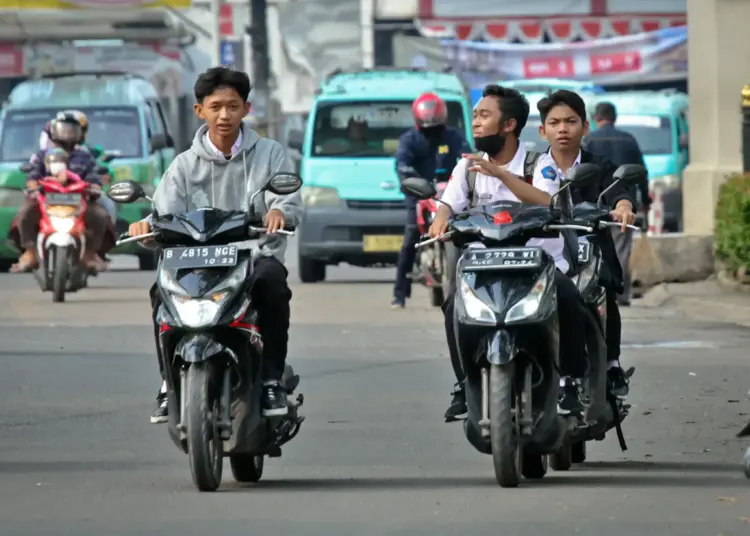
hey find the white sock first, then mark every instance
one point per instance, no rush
(613, 364)
(562, 380)
(163, 387)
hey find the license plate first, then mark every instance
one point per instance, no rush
(62, 199)
(200, 257)
(584, 252)
(382, 243)
(502, 259)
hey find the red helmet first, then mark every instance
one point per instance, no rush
(429, 110)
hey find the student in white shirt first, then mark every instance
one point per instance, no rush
(498, 120)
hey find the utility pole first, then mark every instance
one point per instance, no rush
(261, 63)
(216, 32)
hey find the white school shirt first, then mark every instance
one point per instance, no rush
(491, 190)
(235, 147)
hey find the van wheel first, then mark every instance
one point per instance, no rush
(147, 261)
(311, 271)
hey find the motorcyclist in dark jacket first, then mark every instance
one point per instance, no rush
(430, 150)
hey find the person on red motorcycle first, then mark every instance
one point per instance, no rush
(57, 162)
(430, 150)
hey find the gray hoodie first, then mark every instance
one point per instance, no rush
(200, 178)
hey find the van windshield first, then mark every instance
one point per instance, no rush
(115, 129)
(364, 129)
(652, 132)
(530, 136)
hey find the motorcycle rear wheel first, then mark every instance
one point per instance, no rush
(205, 448)
(506, 452)
(246, 467)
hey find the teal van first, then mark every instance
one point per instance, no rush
(354, 208)
(659, 122)
(125, 117)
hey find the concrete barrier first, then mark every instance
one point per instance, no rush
(671, 258)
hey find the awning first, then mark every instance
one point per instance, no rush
(558, 30)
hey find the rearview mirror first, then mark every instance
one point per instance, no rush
(418, 187)
(630, 173)
(158, 142)
(109, 156)
(25, 168)
(295, 140)
(101, 170)
(125, 192)
(584, 174)
(284, 183)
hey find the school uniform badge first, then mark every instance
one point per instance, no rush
(443, 149)
(549, 173)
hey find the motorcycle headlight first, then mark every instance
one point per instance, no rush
(317, 196)
(200, 312)
(476, 309)
(666, 182)
(528, 306)
(61, 225)
(586, 276)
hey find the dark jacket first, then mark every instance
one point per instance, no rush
(611, 274)
(621, 148)
(418, 157)
(81, 162)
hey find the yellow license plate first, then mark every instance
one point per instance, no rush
(382, 243)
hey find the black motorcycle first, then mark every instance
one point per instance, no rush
(745, 432)
(210, 342)
(506, 306)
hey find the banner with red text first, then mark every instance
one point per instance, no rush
(653, 56)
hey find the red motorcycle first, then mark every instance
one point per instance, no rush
(61, 241)
(434, 268)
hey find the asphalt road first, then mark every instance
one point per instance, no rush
(78, 456)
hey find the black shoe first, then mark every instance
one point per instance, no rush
(457, 410)
(617, 383)
(570, 399)
(160, 414)
(274, 400)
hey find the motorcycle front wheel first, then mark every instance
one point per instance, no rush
(205, 447)
(60, 275)
(506, 452)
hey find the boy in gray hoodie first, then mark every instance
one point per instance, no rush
(226, 164)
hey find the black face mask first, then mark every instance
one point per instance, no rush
(491, 144)
(433, 134)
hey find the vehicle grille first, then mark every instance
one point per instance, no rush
(376, 205)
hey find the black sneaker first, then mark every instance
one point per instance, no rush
(160, 414)
(570, 398)
(457, 410)
(617, 383)
(398, 303)
(274, 400)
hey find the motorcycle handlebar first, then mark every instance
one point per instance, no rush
(125, 237)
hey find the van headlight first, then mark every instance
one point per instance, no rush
(666, 182)
(528, 306)
(475, 308)
(315, 196)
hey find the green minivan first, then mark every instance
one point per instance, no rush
(125, 118)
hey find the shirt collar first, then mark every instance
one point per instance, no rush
(235, 148)
(575, 163)
(517, 161)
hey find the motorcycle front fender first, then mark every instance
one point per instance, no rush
(60, 240)
(199, 347)
(501, 347)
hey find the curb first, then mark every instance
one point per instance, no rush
(702, 308)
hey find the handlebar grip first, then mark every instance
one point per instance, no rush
(123, 236)
(290, 228)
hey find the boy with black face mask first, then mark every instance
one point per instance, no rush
(430, 150)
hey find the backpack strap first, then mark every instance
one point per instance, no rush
(471, 182)
(529, 165)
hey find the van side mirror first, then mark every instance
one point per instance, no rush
(684, 141)
(158, 142)
(295, 140)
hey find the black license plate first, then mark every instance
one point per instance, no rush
(200, 257)
(502, 259)
(63, 199)
(584, 252)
